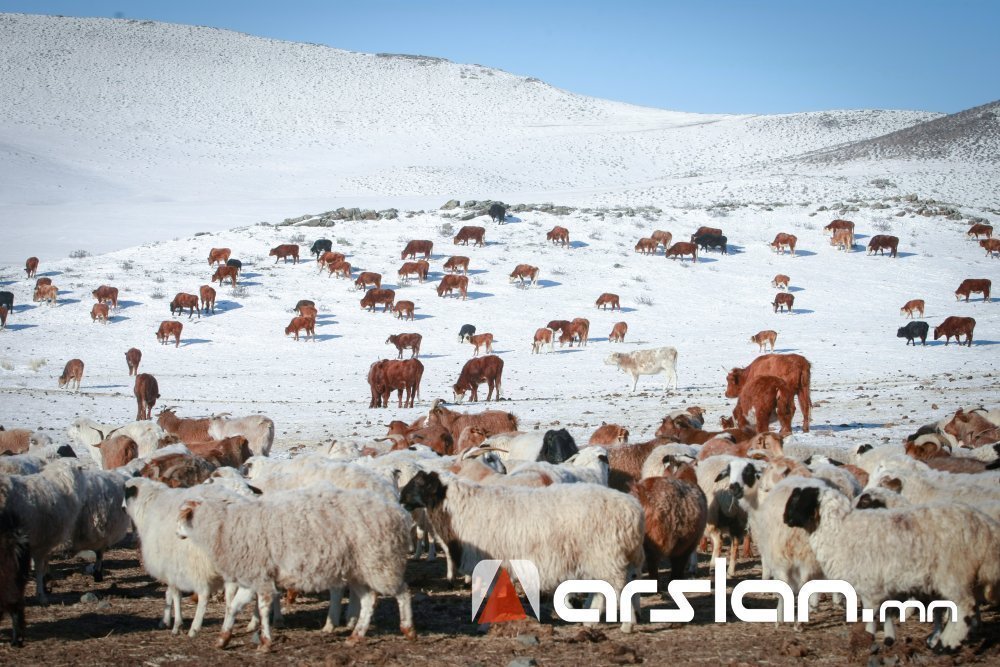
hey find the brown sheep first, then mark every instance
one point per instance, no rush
(676, 513)
(609, 434)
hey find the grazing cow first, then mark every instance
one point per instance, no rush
(366, 278)
(31, 266)
(956, 326)
(406, 340)
(470, 233)
(608, 299)
(284, 251)
(781, 281)
(843, 239)
(377, 296)
(794, 369)
(44, 280)
(404, 310)
(783, 240)
(146, 391)
(558, 235)
(302, 323)
(971, 286)
(618, 332)
(646, 246)
(48, 293)
(339, 268)
(236, 264)
(7, 299)
(558, 325)
(762, 338)
(764, 396)
(207, 295)
(524, 272)
(308, 311)
(476, 371)
(218, 256)
(542, 336)
(980, 228)
(498, 213)
(456, 263)
(647, 362)
(837, 225)
(106, 293)
(609, 434)
(912, 306)
(224, 272)
(303, 302)
(481, 340)
(320, 246)
(912, 331)
(329, 257)
(706, 241)
(132, 358)
(783, 300)
(3, 317)
(169, 328)
(72, 373)
(450, 283)
(579, 328)
(991, 246)
(184, 300)
(402, 376)
(662, 238)
(412, 269)
(681, 249)
(99, 312)
(706, 230)
(417, 246)
(466, 332)
(882, 242)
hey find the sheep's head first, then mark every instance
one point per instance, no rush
(185, 517)
(424, 490)
(802, 509)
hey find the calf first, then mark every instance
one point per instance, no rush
(417, 246)
(956, 326)
(406, 340)
(218, 255)
(618, 332)
(498, 213)
(647, 362)
(284, 251)
(377, 296)
(235, 263)
(412, 269)
(224, 272)
(762, 338)
(31, 266)
(146, 391)
(476, 371)
(368, 278)
(706, 241)
(302, 323)
(308, 311)
(980, 228)
(450, 283)
(558, 325)
(456, 263)
(169, 328)
(470, 233)
(466, 332)
(882, 242)
(991, 246)
(404, 310)
(783, 300)
(843, 240)
(7, 299)
(72, 373)
(579, 328)
(340, 268)
(99, 312)
(912, 331)
(780, 281)
(132, 358)
(971, 286)
(542, 336)
(763, 396)
(3, 317)
(524, 272)
(681, 249)
(608, 299)
(320, 246)
(840, 225)
(303, 302)
(329, 257)
(482, 340)
(182, 301)
(794, 369)
(706, 230)
(207, 295)
(48, 293)
(662, 238)
(107, 294)
(782, 241)
(558, 235)
(646, 246)
(912, 306)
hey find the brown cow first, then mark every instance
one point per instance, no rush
(558, 325)
(480, 340)
(44, 280)
(794, 369)
(558, 235)
(608, 299)
(780, 281)
(31, 266)
(955, 326)
(48, 293)
(542, 336)
(169, 328)
(991, 246)
(146, 391)
(366, 278)
(207, 294)
(452, 282)
(99, 312)
(524, 271)
(646, 246)
(72, 373)
(377, 296)
(3, 316)
(457, 262)
(980, 228)
(609, 434)
(218, 256)
(132, 358)
(308, 311)
(329, 257)
(971, 286)
(912, 306)
(706, 230)
(662, 238)
(783, 300)
(402, 376)
(618, 332)
(299, 323)
(224, 272)
(284, 251)
(470, 233)
(764, 396)
(184, 300)
(783, 240)
(838, 225)
(579, 328)
(340, 268)
(107, 293)
(417, 246)
(843, 239)
(882, 242)
(762, 338)
(404, 310)
(476, 371)
(406, 340)
(412, 268)
(303, 302)
(681, 249)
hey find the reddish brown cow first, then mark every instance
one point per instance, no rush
(99, 312)
(450, 283)
(558, 325)
(783, 240)
(406, 340)
(524, 272)
(912, 306)
(882, 242)
(207, 295)
(340, 268)
(146, 391)
(72, 374)
(609, 434)
(794, 369)
(843, 239)
(132, 358)
(402, 376)
(661, 237)
(45, 280)
(31, 266)
(646, 246)
(106, 293)
(3, 317)
(303, 302)
(404, 310)
(417, 246)
(184, 300)
(956, 326)
(224, 272)
(681, 249)
(48, 293)
(169, 328)
(764, 395)
(706, 230)
(329, 257)
(780, 281)
(470, 233)
(608, 299)
(972, 286)
(284, 251)
(419, 269)
(558, 235)
(366, 278)
(476, 371)
(542, 337)
(457, 262)
(308, 311)
(991, 246)
(980, 228)
(218, 256)
(377, 296)
(302, 323)
(783, 300)
(618, 332)
(838, 225)
(579, 328)
(762, 338)
(481, 340)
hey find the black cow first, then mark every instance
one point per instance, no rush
(912, 331)
(7, 299)
(706, 241)
(557, 446)
(466, 332)
(498, 213)
(320, 246)
(235, 262)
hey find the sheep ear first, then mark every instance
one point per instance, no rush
(808, 461)
(604, 458)
(893, 484)
(835, 462)
(723, 475)
(864, 448)
(131, 491)
(255, 490)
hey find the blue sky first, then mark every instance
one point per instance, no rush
(703, 56)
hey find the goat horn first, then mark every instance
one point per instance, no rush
(99, 432)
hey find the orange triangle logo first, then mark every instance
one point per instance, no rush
(502, 604)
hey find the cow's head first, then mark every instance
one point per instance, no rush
(734, 382)
(613, 359)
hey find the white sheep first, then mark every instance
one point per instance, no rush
(725, 516)
(147, 435)
(257, 429)
(589, 465)
(102, 521)
(919, 486)
(34, 460)
(657, 459)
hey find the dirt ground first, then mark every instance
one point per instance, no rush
(121, 628)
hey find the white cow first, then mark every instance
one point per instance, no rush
(647, 362)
